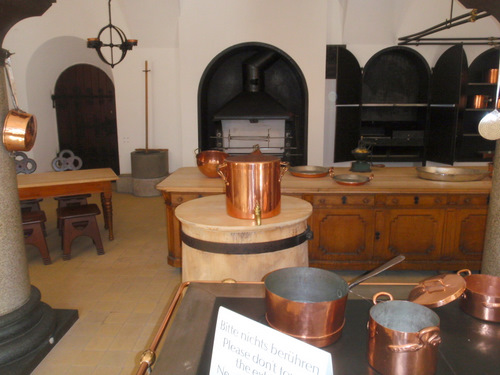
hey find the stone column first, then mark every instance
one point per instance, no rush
(14, 280)
(491, 253)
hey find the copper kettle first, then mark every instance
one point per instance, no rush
(253, 185)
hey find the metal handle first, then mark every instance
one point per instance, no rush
(380, 294)
(378, 270)
(10, 81)
(283, 168)
(426, 336)
(221, 172)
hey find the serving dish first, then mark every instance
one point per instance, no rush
(351, 179)
(454, 174)
(309, 171)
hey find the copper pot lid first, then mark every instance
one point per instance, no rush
(255, 157)
(438, 290)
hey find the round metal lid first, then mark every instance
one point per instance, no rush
(438, 290)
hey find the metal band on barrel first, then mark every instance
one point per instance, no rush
(247, 248)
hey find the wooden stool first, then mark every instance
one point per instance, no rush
(79, 221)
(29, 205)
(70, 201)
(33, 233)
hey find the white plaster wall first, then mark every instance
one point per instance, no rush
(180, 37)
(207, 27)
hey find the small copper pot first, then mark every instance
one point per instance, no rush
(253, 185)
(481, 298)
(208, 161)
(19, 131)
(403, 337)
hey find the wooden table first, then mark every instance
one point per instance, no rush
(58, 184)
(437, 225)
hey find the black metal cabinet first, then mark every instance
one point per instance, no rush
(408, 114)
(348, 112)
(460, 97)
(390, 109)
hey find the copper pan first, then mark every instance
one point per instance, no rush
(309, 303)
(19, 131)
(481, 298)
(19, 128)
(403, 337)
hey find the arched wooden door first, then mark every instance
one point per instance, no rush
(84, 99)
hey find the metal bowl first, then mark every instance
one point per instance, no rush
(309, 171)
(453, 174)
(208, 160)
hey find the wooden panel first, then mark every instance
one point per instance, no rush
(342, 234)
(418, 234)
(465, 235)
(343, 200)
(416, 200)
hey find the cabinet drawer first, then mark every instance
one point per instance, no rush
(469, 200)
(179, 198)
(343, 200)
(415, 200)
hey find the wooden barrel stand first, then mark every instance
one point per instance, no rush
(216, 246)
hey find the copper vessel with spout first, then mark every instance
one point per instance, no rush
(253, 185)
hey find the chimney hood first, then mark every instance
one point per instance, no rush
(253, 103)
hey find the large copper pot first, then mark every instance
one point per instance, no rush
(403, 337)
(309, 303)
(253, 185)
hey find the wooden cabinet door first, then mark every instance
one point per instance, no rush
(415, 233)
(342, 234)
(464, 234)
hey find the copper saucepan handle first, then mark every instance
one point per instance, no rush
(378, 270)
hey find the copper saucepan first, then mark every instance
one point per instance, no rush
(481, 298)
(19, 129)
(309, 303)
(403, 337)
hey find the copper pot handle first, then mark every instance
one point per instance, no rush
(426, 336)
(379, 294)
(465, 271)
(221, 168)
(196, 151)
(490, 305)
(283, 168)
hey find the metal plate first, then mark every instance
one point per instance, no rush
(451, 174)
(309, 171)
(352, 179)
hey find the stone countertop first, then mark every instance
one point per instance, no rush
(385, 180)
